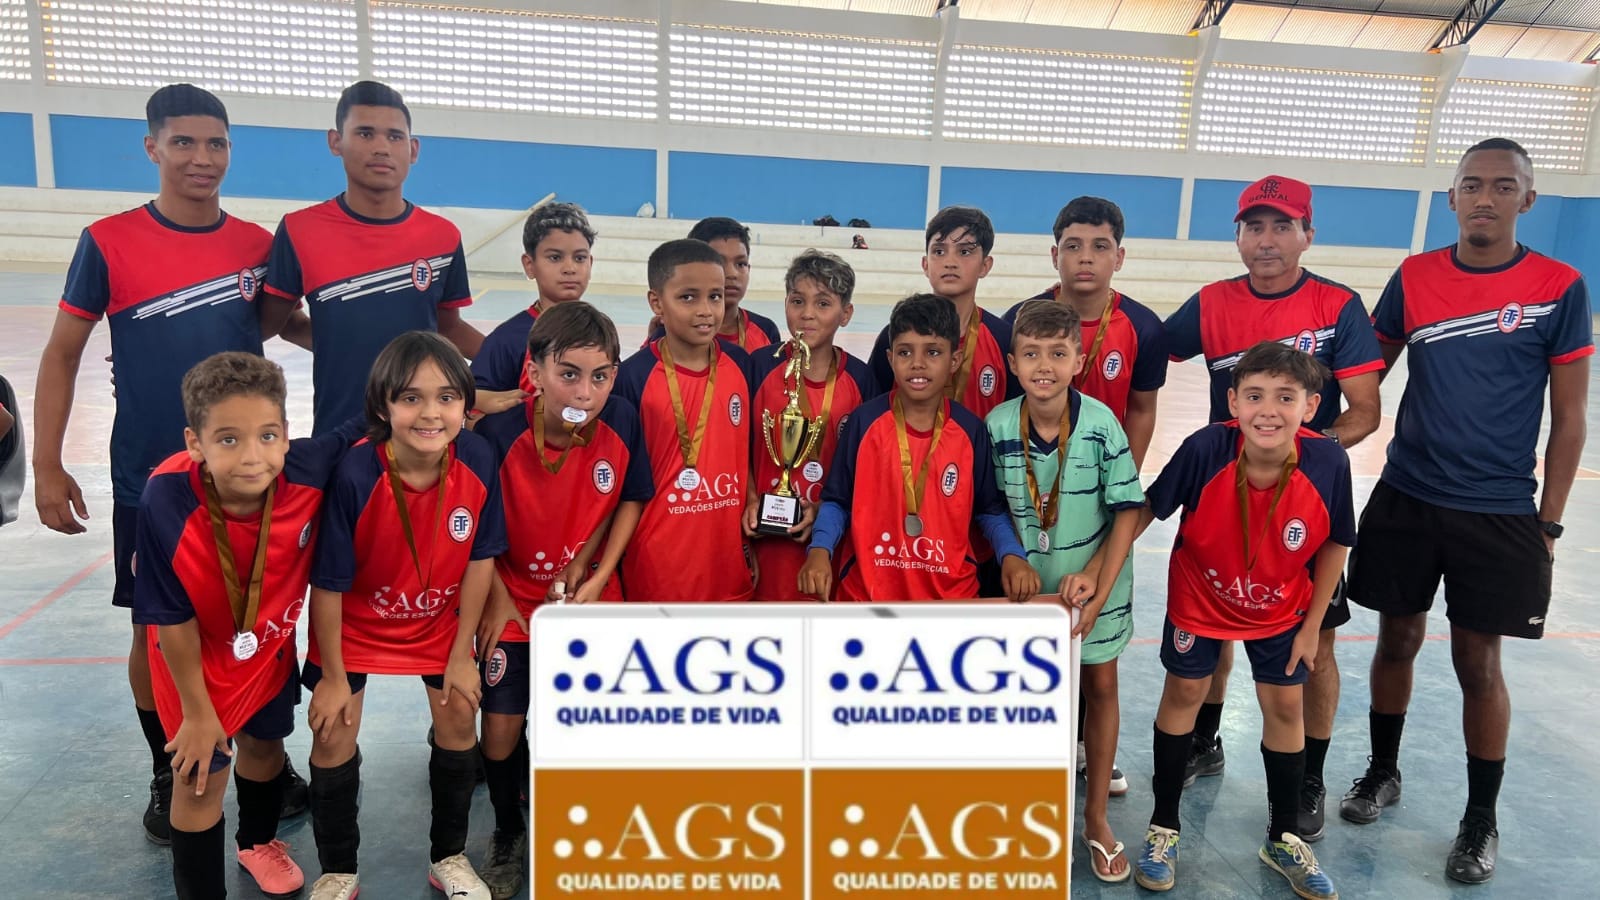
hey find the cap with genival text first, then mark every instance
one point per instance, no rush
(1290, 197)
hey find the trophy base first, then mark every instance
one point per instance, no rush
(778, 514)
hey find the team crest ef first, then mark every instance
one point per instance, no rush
(949, 480)
(1112, 367)
(1510, 317)
(460, 524)
(987, 380)
(1182, 641)
(605, 477)
(1294, 534)
(421, 274)
(248, 284)
(1306, 341)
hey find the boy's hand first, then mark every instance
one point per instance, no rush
(491, 402)
(461, 677)
(752, 511)
(197, 738)
(816, 576)
(1088, 614)
(571, 578)
(59, 500)
(330, 705)
(1078, 588)
(801, 532)
(1020, 580)
(1304, 650)
(501, 611)
(589, 591)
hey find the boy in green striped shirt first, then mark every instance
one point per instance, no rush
(1071, 484)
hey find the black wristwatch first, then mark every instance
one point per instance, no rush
(1553, 529)
(1331, 435)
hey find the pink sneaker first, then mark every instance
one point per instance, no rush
(275, 873)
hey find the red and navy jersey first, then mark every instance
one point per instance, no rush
(180, 578)
(778, 559)
(1318, 316)
(878, 559)
(549, 516)
(989, 379)
(174, 295)
(690, 543)
(502, 361)
(1132, 357)
(1211, 590)
(1481, 343)
(758, 331)
(367, 281)
(393, 624)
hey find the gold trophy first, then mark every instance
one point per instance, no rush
(796, 437)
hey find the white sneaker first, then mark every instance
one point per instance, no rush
(454, 877)
(1083, 759)
(336, 886)
(1119, 781)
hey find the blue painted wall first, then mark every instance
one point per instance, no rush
(791, 191)
(1027, 202)
(1579, 242)
(17, 165)
(1346, 216)
(1539, 228)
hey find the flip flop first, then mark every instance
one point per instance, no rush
(1095, 847)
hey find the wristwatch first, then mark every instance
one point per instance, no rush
(1553, 529)
(1331, 435)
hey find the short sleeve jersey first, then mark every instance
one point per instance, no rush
(1481, 343)
(755, 331)
(502, 360)
(551, 515)
(1097, 481)
(989, 378)
(1132, 356)
(1318, 316)
(394, 623)
(180, 579)
(173, 295)
(366, 281)
(1212, 590)
(689, 545)
(779, 559)
(878, 559)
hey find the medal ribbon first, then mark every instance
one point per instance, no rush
(914, 488)
(247, 603)
(969, 345)
(1242, 485)
(1045, 504)
(739, 335)
(689, 447)
(574, 437)
(1093, 362)
(827, 400)
(399, 489)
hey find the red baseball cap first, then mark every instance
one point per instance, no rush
(1290, 197)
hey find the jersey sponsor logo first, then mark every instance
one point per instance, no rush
(1246, 593)
(305, 536)
(605, 477)
(988, 379)
(711, 492)
(736, 410)
(1294, 534)
(248, 284)
(389, 603)
(1509, 318)
(421, 275)
(1306, 341)
(949, 480)
(1182, 641)
(460, 524)
(495, 668)
(545, 567)
(920, 553)
(1112, 367)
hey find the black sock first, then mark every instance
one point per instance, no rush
(505, 792)
(1316, 755)
(1386, 730)
(452, 775)
(150, 724)
(1083, 716)
(335, 814)
(1171, 757)
(197, 865)
(1285, 774)
(524, 769)
(1483, 786)
(259, 805)
(1207, 722)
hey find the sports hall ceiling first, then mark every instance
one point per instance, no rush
(1563, 30)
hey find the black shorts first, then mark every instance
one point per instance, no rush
(272, 722)
(124, 531)
(1338, 612)
(311, 673)
(1189, 655)
(1495, 567)
(506, 683)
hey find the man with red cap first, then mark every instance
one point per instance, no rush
(1280, 301)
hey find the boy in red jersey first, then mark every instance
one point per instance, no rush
(909, 536)
(221, 614)
(176, 280)
(574, 477)
(1267, 524)
(404, 561)
(693, 396)
(818, 304)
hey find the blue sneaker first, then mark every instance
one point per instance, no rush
(1292, 858)
(1157, 868)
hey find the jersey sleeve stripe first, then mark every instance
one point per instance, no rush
(1375, 365)
(82, 314)
(456, 304)
(1575, 355)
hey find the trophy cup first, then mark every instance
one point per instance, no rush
(790, 439)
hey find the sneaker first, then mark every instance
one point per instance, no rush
(1083, 759)
(454, 877)
(1205, 758)
(508, 858)
(1369, 794)
(1119, 781)
(1313, 799)
(1472, 857)
(336, 886)
(1157, 868)
(1292, 858)
(296, 793)
(275, 873)
(158, 815)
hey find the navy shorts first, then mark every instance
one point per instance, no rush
(272, 722)
(506, 679)
(124, 531)
(1192, 656)
(1339, 607)
(311, 673)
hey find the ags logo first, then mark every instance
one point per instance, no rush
(605, 477)
(705, 665)
(736, 410)
(1306, 341)
(248, 284)
(981, 664)
(421, 275)
(391, 604)
(1510, 317)
(988, 379)
(1294, 534)
(460, 524)
(949, 480)
(1112, 367)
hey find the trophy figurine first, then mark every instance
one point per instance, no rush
(790, 439)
